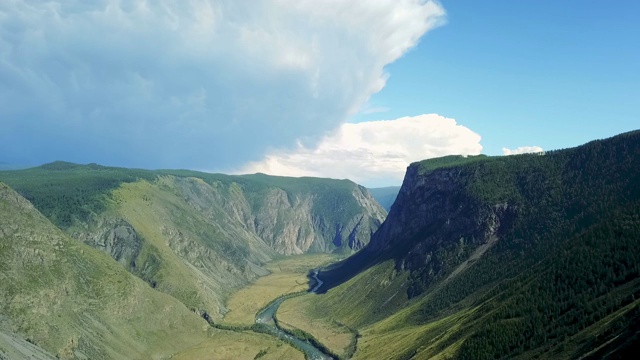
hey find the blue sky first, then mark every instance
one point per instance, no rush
(554, 74)
(353, 89)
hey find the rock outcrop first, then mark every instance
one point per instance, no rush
(436, 224)
(291, 221)
(115, 236)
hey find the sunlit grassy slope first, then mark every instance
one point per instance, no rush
(184, 252)
(194, 236)
(15, 347)
(75, 301)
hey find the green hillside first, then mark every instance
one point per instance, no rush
(530, 256)
(198, 236)
(75, 301)
(67, 192)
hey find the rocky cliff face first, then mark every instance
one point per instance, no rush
(114, 236)
(292, 224)
(436, 225)
(288, 221)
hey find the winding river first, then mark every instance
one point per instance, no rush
(266, 317)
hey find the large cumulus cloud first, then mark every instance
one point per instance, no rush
(194, 84)
(375, 153)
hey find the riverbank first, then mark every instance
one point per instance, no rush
(266, 321)
(287, 275)
(296, 313)
(250, 328)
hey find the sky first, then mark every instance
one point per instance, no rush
(344, 89)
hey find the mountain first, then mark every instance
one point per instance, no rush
(75, 301)
(385, 195)
(9, 166)
(528, 256)
(198, 236)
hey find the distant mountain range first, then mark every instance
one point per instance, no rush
(385, 195)
(9, 166)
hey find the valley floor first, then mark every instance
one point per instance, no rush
(287, 276)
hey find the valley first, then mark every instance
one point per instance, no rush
(257, 304)
(191, 239)
(319, 180)
(529, 256)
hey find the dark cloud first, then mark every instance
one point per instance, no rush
(199, 84)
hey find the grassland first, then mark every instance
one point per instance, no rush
(369, 317)
(332, 318)
(74, 301)
(240, 345)
(288, 275)
(295, 314)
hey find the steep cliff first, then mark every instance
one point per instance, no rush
(440, 226)
(300, 215)
(296, 226)
(530, 256)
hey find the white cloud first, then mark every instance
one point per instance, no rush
(374, 153)
(200, 83)
(522, 150)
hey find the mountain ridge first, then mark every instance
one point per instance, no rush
(198, 236)
(462, 226)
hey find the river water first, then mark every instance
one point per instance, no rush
(266, 317)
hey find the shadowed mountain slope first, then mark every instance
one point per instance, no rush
(507, 257)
